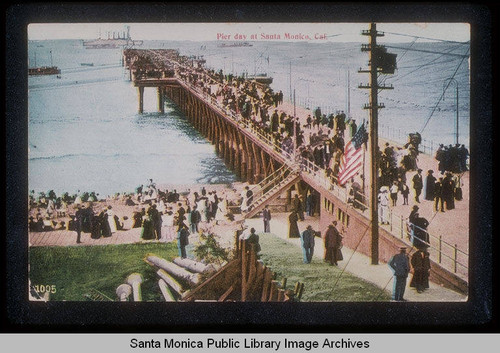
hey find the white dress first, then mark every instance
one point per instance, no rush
(221, 210)
(202, 208)
(111, 220)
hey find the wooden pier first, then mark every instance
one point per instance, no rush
(257, 159)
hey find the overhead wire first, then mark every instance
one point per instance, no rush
(442, 95)
(420, 37)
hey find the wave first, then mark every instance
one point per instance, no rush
(72, 83)
(179, 156)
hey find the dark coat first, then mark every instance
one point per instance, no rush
(417, 182)
(266, 214)
(307, 239)
(333, 242)
(293, 227)
(400, 265)
(430, 182)
(421, 265)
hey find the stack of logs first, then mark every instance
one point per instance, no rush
(245, 278)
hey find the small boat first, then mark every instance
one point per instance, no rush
(236, 44)
(87, 64)
(261, 78)
(44, 70)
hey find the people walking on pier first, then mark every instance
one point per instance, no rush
(333, 242)
(266, 217)
(400, 266)
(420, 236)
(417, 184)
(421, 264)
(438, 195)
(448, 191)
(307, 243)
(429, 184)
(405, 191)
(383, 201)
(394, 193)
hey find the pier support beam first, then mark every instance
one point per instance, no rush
(161, 105)
(141, 99)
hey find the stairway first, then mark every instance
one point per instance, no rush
(270, 188)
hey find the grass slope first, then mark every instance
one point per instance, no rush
(78, 270)
(319, 278)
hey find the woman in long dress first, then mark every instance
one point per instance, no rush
(220, 216)
(293, 230)
(147, 232)
(111, 220)
(167, 225)
(202, 208)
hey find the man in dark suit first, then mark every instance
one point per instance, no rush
(307, 243)
(418, 184)
(195, 219)
(79, 214)
(438, 195)
(266, 216)
(400, 266)
(182, 240)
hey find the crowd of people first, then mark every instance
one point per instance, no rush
(452, 158)
(319, 139)
(161, 214)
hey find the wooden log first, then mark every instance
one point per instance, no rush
(165, 290)
(193, 266)
(172, 282)
(173, 269)
(123, 291)
(135, 280)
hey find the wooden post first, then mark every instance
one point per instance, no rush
(266, 284)
(244, 269)
(455, 258)
(161, 107)
(140, 90)
(440, 248)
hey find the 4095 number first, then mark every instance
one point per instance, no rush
(42, 288)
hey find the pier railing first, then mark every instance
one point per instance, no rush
(448, 255)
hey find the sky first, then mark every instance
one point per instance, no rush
(341, 32)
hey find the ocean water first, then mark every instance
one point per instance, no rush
(85, 133)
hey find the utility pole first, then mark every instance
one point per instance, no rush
(376, 57)
(294, 130)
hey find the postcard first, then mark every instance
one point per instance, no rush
(177, 164)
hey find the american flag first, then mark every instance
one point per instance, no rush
(352, 160)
